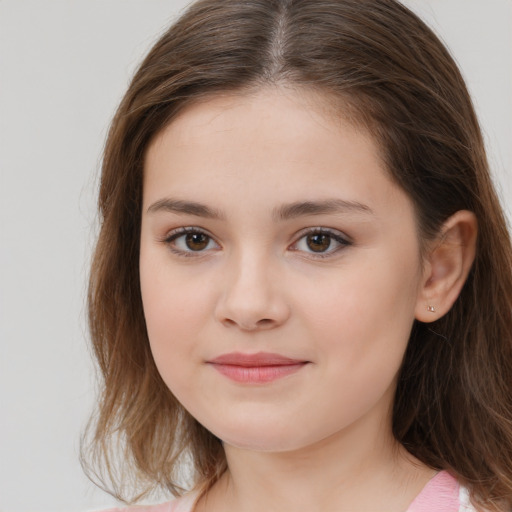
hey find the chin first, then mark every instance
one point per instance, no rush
(261, 438)
(263, 445)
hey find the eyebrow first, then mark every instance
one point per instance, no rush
(185, 207)
(328, 206)
(284, 212)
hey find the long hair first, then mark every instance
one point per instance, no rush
(389, 73)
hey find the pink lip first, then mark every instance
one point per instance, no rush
(256, 368)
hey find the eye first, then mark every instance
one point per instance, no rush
(186, 241)
(318, 242)
(321, 241)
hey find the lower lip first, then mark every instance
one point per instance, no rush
(257, 374)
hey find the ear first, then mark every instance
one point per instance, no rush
(446, 266)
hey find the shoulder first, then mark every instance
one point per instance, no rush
(465, 502)
(183, 504)
(443, 494)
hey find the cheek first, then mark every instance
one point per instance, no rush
(173, 309)
(172, 325)
(363, 318)
(368, 296)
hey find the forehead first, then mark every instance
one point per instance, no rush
(303, 107)
(273, 139)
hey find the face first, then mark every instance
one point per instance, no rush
(280, 270)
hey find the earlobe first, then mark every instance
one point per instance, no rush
(447, 266)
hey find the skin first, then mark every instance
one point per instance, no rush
(320, 438)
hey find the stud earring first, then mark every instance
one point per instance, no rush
(431, 309)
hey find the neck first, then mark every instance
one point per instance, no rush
(353, 470)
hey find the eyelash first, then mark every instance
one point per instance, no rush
(333, 235)
(181, 232)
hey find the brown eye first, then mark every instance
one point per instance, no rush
(190, 242)
(318, 242)
(197, 241)
(321, 243)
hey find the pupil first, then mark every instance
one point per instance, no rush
(319, 243)
(196, 241)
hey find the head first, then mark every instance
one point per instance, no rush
(378, 69)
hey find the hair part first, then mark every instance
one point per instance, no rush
(389, 74)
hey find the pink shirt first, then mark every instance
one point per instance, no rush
(441, 494)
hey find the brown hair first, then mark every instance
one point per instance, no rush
(453, 404)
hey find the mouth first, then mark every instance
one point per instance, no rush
(256, 368)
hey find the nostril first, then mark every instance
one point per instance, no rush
(250, 326)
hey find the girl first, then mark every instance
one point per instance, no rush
(301, 293)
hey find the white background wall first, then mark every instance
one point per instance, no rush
(64, 65)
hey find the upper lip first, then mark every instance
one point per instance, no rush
(255, 360)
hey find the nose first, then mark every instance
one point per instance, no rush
(251, 297)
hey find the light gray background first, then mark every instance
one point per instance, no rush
(64, 65)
